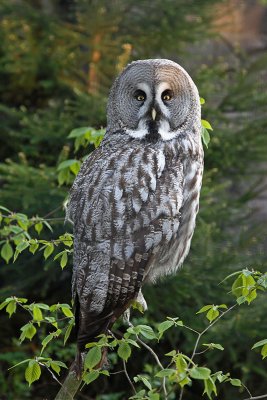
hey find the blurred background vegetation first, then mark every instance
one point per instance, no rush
(57, 61)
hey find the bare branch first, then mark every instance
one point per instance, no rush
(127, 376)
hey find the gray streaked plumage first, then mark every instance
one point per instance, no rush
(135, 199)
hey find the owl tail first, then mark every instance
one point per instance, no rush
(90, 329)
(87, 332)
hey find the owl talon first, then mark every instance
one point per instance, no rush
(126, 317)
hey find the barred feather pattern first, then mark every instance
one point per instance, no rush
(133, 210)
(134, 202)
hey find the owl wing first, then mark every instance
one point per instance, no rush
(125, 206)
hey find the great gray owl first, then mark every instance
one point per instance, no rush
(136, 197)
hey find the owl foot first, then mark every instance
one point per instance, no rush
(127, 313)
(141, 300)
(126, 317)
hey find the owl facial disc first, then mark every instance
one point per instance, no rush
(153, 100)
(153, 115)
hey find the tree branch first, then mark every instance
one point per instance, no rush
(70, 387)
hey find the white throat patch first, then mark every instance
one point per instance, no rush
(142, 131)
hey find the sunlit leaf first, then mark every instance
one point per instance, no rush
(7, 252)
(124, 350)
(32, 372)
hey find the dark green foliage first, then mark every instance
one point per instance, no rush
(47, 52)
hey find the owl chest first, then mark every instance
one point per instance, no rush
(171, 255)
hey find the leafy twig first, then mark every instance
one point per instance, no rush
(157, 361)
(209, 326)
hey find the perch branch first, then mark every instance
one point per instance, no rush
(71, 384)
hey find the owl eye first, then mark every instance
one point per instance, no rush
(140, 95)
(167, 95)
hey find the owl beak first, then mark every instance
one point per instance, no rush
(154, 113)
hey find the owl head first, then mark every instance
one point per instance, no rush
(153, 100)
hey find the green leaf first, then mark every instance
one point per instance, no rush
(124, 350)
(22, 362)
(11, 307)
(213, 346)
(136, 305)
(48, 250)
(206, 124)
(202, 101)
(236, 382)
(134, 330)
(181, 363)
(23, 221)
(220, 376)
(64, 260)
(64, 176)
(28, 331)
(104, 372)
(210, 387)
(46, 340)
(37, 313)
(42, 305)
(264, 351)
(90, 376)
(67, 239)
(164, 326)
(165, 372)
(67, 164)
(139, 395)
(171, 353)
(75, 168)
(153, 396)
(32, 372)
(144, 380)
(241, 300)
(93, 357)
(222, 306)
(90, 345)
(251, 295)
(5, 209)
(205, 136)
(60, 363)
(262, 281)
(183, 379)
(66, 311)
(79, 132)
(38, 227)
(147, 332)
(212, 314)
(33, 247)
(7, 252)
(132, 342)
(22, 246)
(5, 302)
(244, 286)
(205, 308)
(200, 373)
(55, 367)
(237, 287)
(259, 344)
(68, 330)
